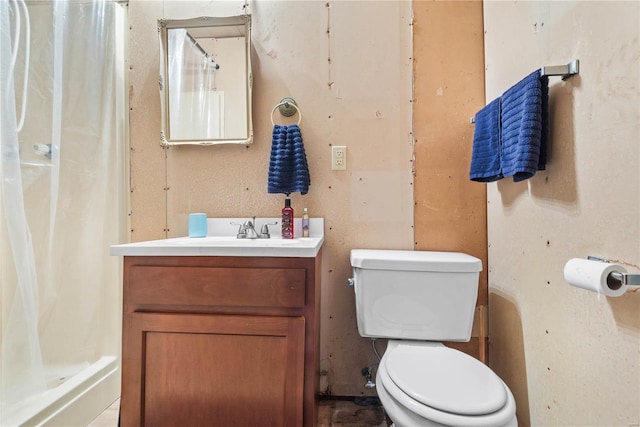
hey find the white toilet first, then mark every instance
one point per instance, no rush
(417, 299)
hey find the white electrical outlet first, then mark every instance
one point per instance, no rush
(338, 157)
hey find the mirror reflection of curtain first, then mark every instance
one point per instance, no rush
(196, 107)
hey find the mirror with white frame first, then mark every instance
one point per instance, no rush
(205, 80)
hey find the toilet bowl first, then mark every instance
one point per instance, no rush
(417, 299)
(428, 384)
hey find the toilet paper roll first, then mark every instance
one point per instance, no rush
(594, 276)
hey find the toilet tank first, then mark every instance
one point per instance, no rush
(420, 295)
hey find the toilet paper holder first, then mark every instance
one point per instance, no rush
(624, 278)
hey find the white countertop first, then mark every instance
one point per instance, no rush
(222, 241)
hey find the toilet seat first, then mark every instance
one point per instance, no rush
(444, 385)
(446, 379)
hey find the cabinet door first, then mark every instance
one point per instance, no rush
(213, 370)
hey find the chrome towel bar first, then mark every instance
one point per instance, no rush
(564, 71)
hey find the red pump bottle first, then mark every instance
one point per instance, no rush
(287, 220)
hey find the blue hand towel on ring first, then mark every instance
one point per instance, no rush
(288, 168)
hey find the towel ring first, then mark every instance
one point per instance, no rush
(287, 101)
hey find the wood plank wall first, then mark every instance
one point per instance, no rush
(450, 210)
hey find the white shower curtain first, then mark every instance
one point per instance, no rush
(196, 106)
(61, 179)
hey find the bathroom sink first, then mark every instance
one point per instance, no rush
(222, 241)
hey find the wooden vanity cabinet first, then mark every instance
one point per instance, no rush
(220, 341)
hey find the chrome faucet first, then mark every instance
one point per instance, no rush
(247, 230)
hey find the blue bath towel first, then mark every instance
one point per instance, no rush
(288, 168)
(485, 157)
(524, 127)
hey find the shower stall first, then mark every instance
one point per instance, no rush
(63, 147)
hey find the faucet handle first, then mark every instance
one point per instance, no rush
(242, 230)
(264, 231)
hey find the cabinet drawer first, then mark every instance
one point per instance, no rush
(216, 286)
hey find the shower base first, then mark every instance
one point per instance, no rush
(74, 402)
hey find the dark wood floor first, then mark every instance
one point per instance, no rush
(351, 413)
(331, 413)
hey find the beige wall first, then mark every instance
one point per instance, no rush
(570, 357)
(348, 66)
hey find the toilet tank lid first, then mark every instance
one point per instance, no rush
(379, 259)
